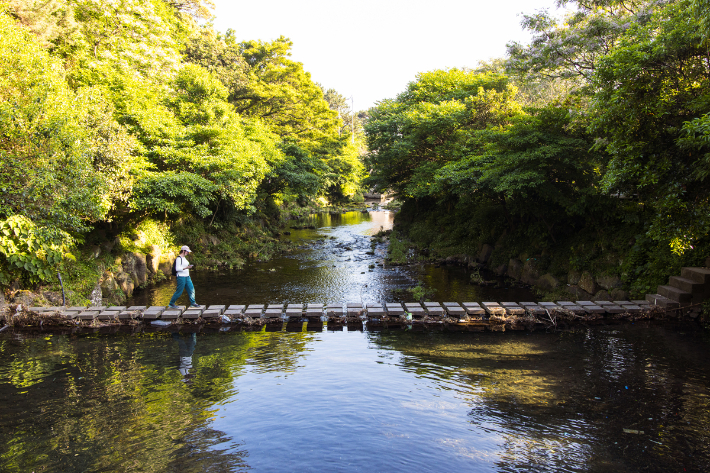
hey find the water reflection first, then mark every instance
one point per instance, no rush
(625, 398)
(186, 346)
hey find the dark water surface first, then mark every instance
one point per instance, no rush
(332, 264)
(348, 400)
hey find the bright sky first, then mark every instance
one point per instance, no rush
(371, 49)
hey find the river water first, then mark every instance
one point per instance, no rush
(335, 262)
(632, 397)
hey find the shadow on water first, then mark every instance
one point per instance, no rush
(335, 262)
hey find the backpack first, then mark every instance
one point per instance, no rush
(175, 271)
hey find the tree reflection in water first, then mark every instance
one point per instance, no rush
(488, 401)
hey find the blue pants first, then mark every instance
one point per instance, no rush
(184, 282)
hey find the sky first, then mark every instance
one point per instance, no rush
(371, 49)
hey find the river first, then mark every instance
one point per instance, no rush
(628, 397)
(334, 262)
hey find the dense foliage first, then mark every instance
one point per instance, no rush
(113, 112)
(599, 126)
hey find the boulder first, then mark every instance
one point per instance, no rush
(609, 281)
(547, 282)
(602, 295)
(3, 303)
(125, 282)
(515, 268)
(53, 297)
(530, 273)
(153, 259)
(573, 277)
(579, 293)
(166, 263)
(500, 270)
(618, 294)
(26, 298)
(485, 254)
(135, 265)
(108, 285)
(587, 283)
(95, 296)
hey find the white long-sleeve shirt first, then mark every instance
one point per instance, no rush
(181, 265)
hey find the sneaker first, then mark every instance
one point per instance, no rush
(173, 306)
(196, 306)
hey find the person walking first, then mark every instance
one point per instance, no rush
(182, 268)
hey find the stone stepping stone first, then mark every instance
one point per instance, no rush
(394, 309)
(612, 309)
(117, 308)
(533, 308)
(632, 308)
(493, 308)
(127, 314)
(70, 314)
(454, 309)
(334, 310)
(256, 306)
(275, 306)
(234, 312)
(314, 310)
(40, 310)
(153, 312)
(563, 303)
(253, 313)
(171, 314)
(574, 308)
(88, 314)
(432, 304)
(473, 308)
(220, 308)
(415, 309)
(272, 313)
(375, 312)
(435, 311)
(603, 303)
(98, 307)
(513, 308)
(354, 309)
(640, 303)
(586, 303)
(594, 309)
(192, 314)
(294, 310)
(549, 305)
(137, 307)
(212, 313)
(108, 314)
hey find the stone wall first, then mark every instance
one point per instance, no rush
(136, 270)
(580, 286)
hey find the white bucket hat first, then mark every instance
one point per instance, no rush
(186, 248)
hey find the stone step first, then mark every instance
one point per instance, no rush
(675, 294)
(701, 275)
(687, 285)
(661, 301)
